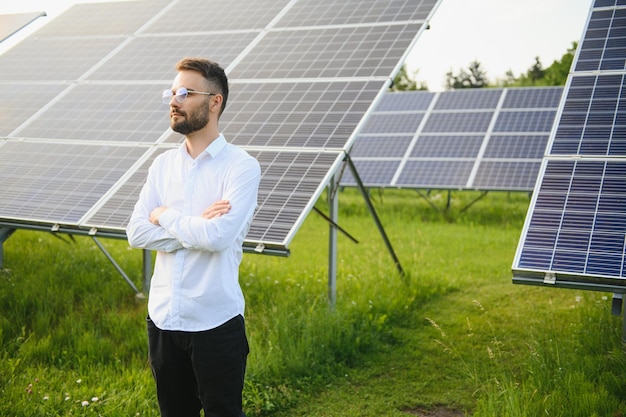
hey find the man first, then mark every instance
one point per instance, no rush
(195, 209)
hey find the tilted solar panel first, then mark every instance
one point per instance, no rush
(483, 139)
(602, 47)
(593, 117)
(301, 114)
(12, 23)
(47, 182)
(575, 230)
(86, 90)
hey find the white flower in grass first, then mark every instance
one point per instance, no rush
(94, 399)
(78, 381)
(46, 398)
(84, 403)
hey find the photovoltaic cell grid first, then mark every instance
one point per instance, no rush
(58, 181)
(575, 230)
(484, 139)
(12, 23)
(86, 97)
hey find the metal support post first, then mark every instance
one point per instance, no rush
(616, 304)
(333, 209)
(623, 321)
(147, 270)
(618, 308)
(5, 233)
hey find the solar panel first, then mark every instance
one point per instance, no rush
(484, 139)
(32, 98)
(149, 57)
(86, 90)
(602, 47)
(45, 182)
(189, 16)
(115, 19)
(353, 12)
(297, 114)
(12, 23)
(94, 112)
(576, 224)
(353, 51)
(54, 59)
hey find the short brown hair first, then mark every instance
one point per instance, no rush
(211, 71)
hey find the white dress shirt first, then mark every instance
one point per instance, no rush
(195, 284)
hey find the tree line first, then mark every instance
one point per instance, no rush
(474, 76)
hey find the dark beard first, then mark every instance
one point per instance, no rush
(192, 122)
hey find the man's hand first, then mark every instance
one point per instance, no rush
(217, 209)
(156, 214)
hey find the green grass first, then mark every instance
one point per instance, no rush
(454, 333)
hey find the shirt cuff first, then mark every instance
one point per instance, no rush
(167, 217)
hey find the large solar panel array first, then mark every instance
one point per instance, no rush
(84, 119)
(13, 23)
(482, 139)
(575, 230)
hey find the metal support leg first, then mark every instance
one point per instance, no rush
(334, 224)
(425, 197)
(372, 210)
(333, 208)
(119, 269)
(616, 304)
(484, 193)
(618, 308)
(623, 322)
(147, 270)
(5, 233)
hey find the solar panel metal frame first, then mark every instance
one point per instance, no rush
(10, 24)
(574, 234)
(342, 99)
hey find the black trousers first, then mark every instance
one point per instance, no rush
(199, 370)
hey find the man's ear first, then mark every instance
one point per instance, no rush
(217, 102)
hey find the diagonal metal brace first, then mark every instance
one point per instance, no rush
(370, 206)
(335, 225)
(119, 268)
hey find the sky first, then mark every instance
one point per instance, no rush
(502, 35)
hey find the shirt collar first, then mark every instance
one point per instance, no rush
(216, 146)
(212, 150)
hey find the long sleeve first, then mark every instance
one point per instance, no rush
(241, 190)
(141, 233)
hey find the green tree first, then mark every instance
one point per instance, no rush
(405, 81)
(536, 72)
(473, 77)
(555, 74)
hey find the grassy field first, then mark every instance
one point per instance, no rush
(453, 337)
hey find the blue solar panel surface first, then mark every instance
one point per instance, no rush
(575, 230)
(485, 139)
